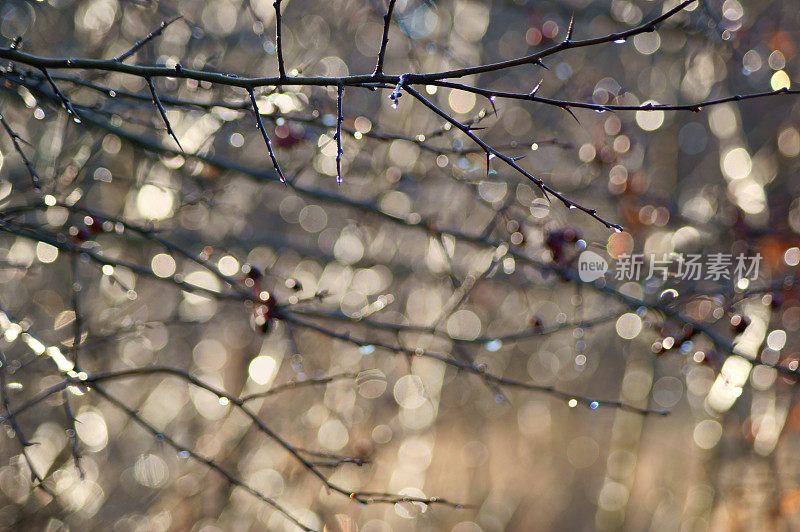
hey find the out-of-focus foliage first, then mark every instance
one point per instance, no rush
(420, 248)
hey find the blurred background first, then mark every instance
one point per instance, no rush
(420, 250)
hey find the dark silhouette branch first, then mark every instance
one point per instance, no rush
(387, 20)
(152, 35)
(162, 111)
(279, 40)
(15, 141)
(260, 125)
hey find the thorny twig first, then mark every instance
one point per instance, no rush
(162, 111)
(387, 20)
(375, 79)
(15, 140)
(152, 35)
(279, 40)
(263, 131)
(293, 316)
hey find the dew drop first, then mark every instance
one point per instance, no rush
(668, 295)
(76, 120)
(494, 345)
(620, 41)
(366, 349)
(593, 405)
(112, 94)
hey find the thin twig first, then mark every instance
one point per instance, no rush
(263, 131)
(339, 118)
(512, 162)
(64, 100)
(298, 384)
(387, 20)
(9, 417)
(208, 462)
(152, 35)
(15, 140)
(477, 370)
(162, 111)
(279, 40)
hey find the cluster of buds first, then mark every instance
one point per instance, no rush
(563, 243)
(264, 306)
(679, 341)
(91, 227)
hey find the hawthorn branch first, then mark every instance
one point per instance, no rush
(208, 462)
(279, 40)
(512, 162)
(568, 44)
(24, 443)
(38, 235)
(472, 368)
(85, 380)
(339, 118)
(65, 103)
(152, 35)
(387, 20)
(262, 129)
(429, 226)
(15, 141)
(299, 384)
(162, 111)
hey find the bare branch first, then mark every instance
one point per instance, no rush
(150, 36)
(279, 40)
(208, 462)
(12, 421)
(263, 131)
(64, 100)
(387, 20)
(339, 118)
(162, 111)
(512, 163)
(536, 58)
(299, 384)
(15, 141)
